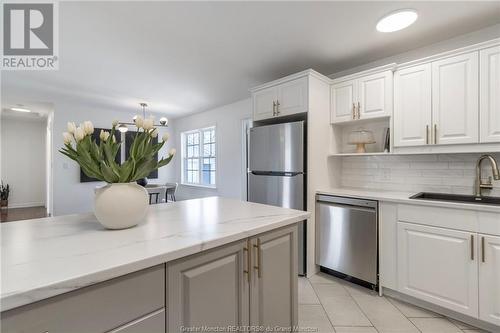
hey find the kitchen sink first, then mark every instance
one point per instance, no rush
(484, 200)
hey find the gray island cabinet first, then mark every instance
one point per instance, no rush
(228, 282)
(248, 283)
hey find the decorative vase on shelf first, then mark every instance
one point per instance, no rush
(122, 203)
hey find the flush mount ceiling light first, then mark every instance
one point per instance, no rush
(20, 110)
(397, 20)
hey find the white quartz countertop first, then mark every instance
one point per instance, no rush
(46, 257)
(403, 197)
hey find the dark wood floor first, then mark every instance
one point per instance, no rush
(16, 214)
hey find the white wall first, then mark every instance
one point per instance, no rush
(228, 121)
(71, 196)
(24, 160)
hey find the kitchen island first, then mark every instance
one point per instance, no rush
(198, 264)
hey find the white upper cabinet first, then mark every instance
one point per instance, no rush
(365, 97)
(264, 103)
(489, 277)
(375, 95)
(439, 266)
(292, 97)
(455, 103)
(287, 96)
(489, 94)
(342, 102)
(412, 105)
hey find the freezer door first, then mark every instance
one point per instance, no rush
(348, 239)
(282, 191)
(278, 147)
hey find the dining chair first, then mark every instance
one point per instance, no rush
(171, 189)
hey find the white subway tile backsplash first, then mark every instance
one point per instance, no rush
(463, 165)
(450, 173)
(394, 165)
(429, 165)
(442, 173)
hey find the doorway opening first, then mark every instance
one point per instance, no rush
(26, 138)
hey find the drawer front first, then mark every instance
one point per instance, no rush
(152, 323)
(439, 217)
(489, 223)
(97, 308)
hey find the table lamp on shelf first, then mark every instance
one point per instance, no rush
(360, 138)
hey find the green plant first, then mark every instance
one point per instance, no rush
(98, 160)
(4, 191)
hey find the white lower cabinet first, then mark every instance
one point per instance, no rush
(439, 265)
(489, 279)
(251, 282)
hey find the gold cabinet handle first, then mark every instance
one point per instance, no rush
(278, 107)
(471, 247)
(483, 256)
(435, 134)
(359, 110)
(353, 111)
(248, 271)
(274, 108)
(426, 134)
(257, 266)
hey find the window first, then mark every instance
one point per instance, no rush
(199, 157)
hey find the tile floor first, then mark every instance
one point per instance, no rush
(328, 304)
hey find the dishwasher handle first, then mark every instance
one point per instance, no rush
(356, 208)
(344, 201)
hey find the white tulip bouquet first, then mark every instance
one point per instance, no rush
(98, 160)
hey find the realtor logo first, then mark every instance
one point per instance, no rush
(29, 36)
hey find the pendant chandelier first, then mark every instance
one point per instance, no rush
(123, 126)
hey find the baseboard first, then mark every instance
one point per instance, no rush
(27, 205)
(443, 311)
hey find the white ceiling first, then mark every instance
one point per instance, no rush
(185, 57)
(39, 110)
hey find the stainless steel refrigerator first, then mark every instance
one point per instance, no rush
(276, 174)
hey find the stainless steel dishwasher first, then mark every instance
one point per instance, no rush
(347, 230)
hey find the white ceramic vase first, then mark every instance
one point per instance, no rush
(120, 205)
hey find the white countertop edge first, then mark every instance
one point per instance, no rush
(403, 197)
(24, 297)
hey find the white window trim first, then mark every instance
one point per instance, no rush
(184, 152)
